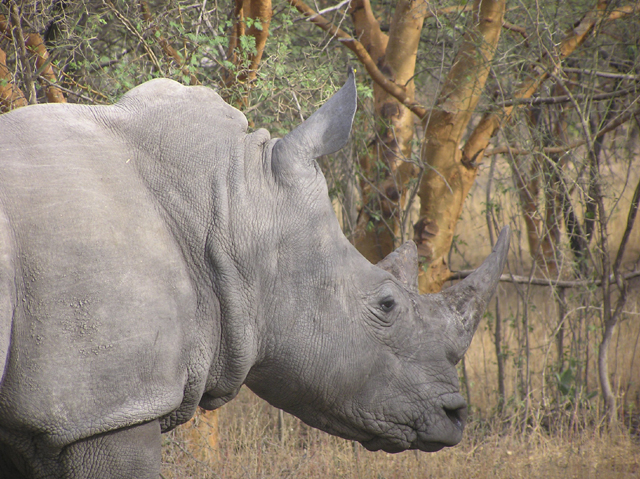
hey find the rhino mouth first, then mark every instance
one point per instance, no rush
(420, 441)
(446, 431)
(383, 444)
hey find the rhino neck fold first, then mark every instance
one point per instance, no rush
(199, 213)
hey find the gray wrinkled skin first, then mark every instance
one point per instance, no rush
(154, 256)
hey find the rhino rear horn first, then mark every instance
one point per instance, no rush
(323, 133)
(403, 264)
(469, 298)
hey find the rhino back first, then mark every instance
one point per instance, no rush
(104, 300)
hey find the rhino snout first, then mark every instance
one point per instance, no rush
(456, 410)
(446, 431)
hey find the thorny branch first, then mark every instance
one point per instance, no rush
(168, 50)
(361, 53)
(22, 53)
(615, 123)
(127, 24)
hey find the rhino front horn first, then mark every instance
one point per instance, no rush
(469, 298)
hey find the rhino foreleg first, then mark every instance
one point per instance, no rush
(124, 453)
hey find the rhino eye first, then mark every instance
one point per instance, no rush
(387, 304)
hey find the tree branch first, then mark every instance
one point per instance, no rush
(621, 76)
(70, 92)
(516, 29)
(363, 56)
(613, 124)
(127, 24)
(43, 64)
(516, 279)
(554, 100)
(168, 50)
(492, 122)
(22, 53)
(10, 95)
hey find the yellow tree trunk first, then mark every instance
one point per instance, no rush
(10, 94)
(449, 172)
(449, 175)
(396, 58)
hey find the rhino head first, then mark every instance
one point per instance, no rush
(350, 347)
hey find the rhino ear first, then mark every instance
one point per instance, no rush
(403, 264)
(324, 132)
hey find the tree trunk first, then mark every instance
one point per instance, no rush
(449, 175)
(43, 65)
(396, 58)
(10, 95)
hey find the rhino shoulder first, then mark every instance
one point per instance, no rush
(170, 98)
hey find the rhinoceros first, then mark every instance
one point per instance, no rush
(155, 255)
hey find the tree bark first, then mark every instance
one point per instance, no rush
(376, 236)
(449, 175)
(10, 95)
(36, 46)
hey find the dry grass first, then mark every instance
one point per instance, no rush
(563, 438)
(251, 446)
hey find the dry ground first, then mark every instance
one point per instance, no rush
(251, 446)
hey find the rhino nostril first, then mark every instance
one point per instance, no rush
(457, 415)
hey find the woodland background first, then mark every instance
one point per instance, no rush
(472, 115)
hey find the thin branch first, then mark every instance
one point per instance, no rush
(127, 24)
(170, 52)
(492, 121)
(623, 118)
(510, 278)
(10, 95)
(620, 76)
(22, 53)
(330, 9)
(70, 92)
(36, 45)
(69, 79)
(516, 29)
(454, 9)
(213, 31)
(554, 100)
(363, 56)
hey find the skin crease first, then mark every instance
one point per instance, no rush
(156, 256)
